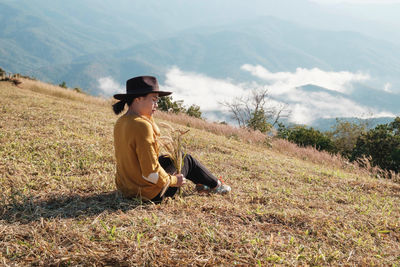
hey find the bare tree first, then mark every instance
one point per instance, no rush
(256, 110)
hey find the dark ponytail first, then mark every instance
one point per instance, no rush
(119, 107)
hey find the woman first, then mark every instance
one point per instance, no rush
(141, 172)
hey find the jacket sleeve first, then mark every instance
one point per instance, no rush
(148, 159)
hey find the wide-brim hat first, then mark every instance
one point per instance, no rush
(141, 85)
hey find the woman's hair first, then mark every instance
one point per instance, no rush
(120, 105)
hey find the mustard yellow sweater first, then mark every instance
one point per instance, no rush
(139, 173)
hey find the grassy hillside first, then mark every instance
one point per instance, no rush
(59, 205)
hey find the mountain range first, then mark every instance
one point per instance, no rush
(82, 42)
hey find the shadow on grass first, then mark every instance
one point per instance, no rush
(27, 210)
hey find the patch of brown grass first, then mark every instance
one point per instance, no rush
(365, 165)
(308, 153)
(229, 131)
(57, 91)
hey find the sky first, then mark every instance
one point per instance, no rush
(380, 11)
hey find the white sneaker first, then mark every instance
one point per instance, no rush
(221, 188)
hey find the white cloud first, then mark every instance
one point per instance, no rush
(201, 90)
(387, 88)
(305, 106)
(109, 87)
(285, 82)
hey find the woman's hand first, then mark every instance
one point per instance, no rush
(181, 180)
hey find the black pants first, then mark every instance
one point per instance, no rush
(192, 169)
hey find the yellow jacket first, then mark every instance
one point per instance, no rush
(139, 173)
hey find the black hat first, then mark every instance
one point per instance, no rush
(141, 85)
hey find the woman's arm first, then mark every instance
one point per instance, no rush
(148, 159)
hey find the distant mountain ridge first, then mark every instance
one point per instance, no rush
(43, 35)
(222, 51)
(80, 44)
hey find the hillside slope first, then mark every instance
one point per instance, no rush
(59, 204)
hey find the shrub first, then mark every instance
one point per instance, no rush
(165, 103)
(259, 121)
(345, 134)
(306, 137)
(63, 85)
(78, 90)
(382, 145)
(194, 111)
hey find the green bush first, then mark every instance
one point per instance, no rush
(283, 131)
(382, 144)
(63, 85)
(258, 121)
(345, 134)
(194, 111)
(306, 137)
(165, 103)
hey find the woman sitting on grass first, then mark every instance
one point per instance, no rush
(141, 172)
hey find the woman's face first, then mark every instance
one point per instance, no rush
(147, 105)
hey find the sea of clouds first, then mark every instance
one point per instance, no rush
(284, 88)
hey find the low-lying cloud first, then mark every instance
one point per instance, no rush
(284, 87)
(109, 87)
(286, 82)
(201, 90)
(308, 106)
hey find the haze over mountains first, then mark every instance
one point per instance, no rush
(319, 60)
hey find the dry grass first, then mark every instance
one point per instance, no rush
(172, 144)
(229, 131)
(309, 153)
(366, 166)
(59, 206)
(57, 91)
